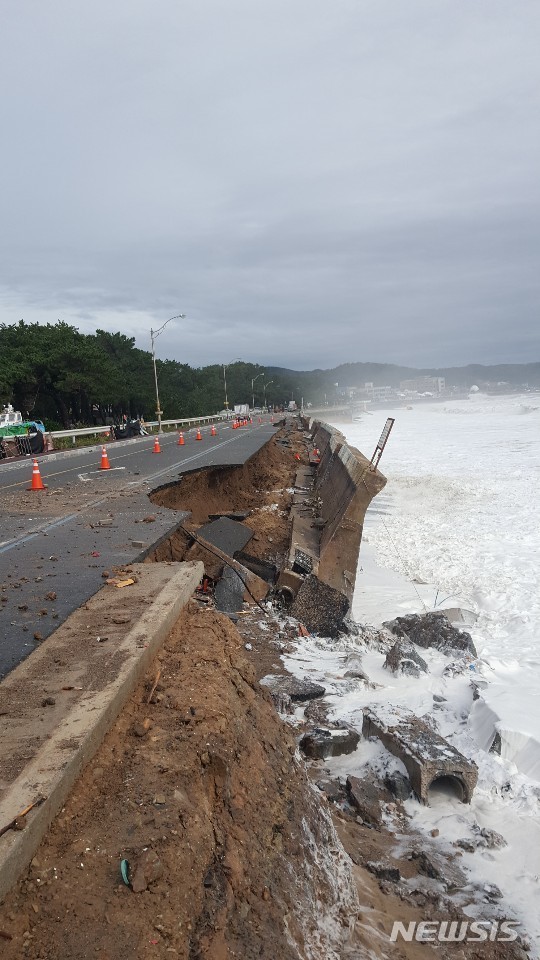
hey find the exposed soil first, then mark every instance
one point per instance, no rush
(261, 486)
(206, 777)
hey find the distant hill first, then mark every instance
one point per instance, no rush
(356, 374)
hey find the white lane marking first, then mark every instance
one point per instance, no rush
(84, 478)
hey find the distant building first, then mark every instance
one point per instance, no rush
(423, 385)
(376, 394)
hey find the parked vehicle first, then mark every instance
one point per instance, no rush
(20, 437)
(131, 428)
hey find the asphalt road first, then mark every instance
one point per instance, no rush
(55, 546)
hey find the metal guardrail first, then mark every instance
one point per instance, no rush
(95, 431)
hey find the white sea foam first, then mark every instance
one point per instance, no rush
(458, 525)
(461, 512)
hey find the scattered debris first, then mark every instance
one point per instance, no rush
(399, 785)
(432, 630)
(327, 742)
(12, 824)
(320, 607)
(384, 871)
(426, 755)
(298, 690)
(368, 799)
(403, 658)
(154, 685)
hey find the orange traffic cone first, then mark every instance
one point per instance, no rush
(105, 465)
(37, 482)
(213, 431)
(198, 437)
(157, 448)
(181, 440)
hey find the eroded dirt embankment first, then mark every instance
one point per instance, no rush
(205, 776)
(261, 486)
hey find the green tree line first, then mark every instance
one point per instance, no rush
(55, 373)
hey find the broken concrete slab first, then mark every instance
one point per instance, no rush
(258, 589)
(229, 591)
(238, 515)
(368, 799)
(300, 691)
(282, 702)
(317, 713)
(345, 484)
(398, 784)
(403, 658)
(323, 742)
(227, 535)
(321, 608)
(427, 757)
(384, 870)
(436, 866)
(262, 568)
(460, 615)
(432, 630)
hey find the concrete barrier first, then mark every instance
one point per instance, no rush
(90, 692)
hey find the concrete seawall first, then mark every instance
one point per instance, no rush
(327, 527)
(346, 485)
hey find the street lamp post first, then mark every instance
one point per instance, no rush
(252, 388)
(154, 334)
(265, 385)
(225, 365)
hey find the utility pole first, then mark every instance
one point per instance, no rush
(154, 334)
(253, 389)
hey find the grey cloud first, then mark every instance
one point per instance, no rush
(310, 183)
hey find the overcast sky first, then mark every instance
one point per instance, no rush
(310, 181)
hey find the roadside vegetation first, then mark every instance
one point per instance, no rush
(54, 373)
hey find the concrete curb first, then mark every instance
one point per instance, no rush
(81, 730)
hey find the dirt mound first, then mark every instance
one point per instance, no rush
(261, 486)
(244, 861)
(212, 490)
